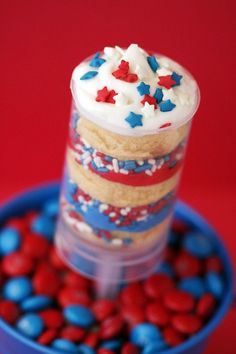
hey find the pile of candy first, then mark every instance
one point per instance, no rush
(47, 302)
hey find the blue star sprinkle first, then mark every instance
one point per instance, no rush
(96, 61)
(134, 119)
(177, 78)
(158, 95)
(153, 63)
(89, 75)
(143, 89)
(166, 106)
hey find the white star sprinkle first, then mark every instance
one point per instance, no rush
(148, 110)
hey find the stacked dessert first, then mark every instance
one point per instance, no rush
(129, 126)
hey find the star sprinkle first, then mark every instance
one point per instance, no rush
(149, 99)
(134, 119)
(96, 61)
(89, 75)
(165, 125)
(143, 89)
(148, 110)
(123, 73)
(158, 95)
(166, 81)
(177, 78)
(104, 95)
(120, 99)
(153, 63)
(166, 106)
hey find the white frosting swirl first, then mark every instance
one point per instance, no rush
(112, 116)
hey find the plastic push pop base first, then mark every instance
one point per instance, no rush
(12, 342)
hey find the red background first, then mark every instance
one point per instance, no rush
(42, 41)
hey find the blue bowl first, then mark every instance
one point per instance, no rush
(11, 342)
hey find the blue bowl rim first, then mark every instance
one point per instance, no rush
(182, 211)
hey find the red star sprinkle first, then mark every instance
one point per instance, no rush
(166, 81)
(149, 99)
(123, 73)
(104, 95)
(165, 125)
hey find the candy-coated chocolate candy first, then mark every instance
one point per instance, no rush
(64, 345)
(71, 296)
(155, 347)
(17, 263)
(158, 314)
(113, 344)
(213, 264)
(44, 226)
(172, 337)
(17, 289)
(103, 308)
(130, 348)
(36, 303)
(85, 349)
(178, 300)
(35, 246)
(46, 281)
(72, 333)
(30, 325)
(9, 311)
(105, 351)
(18, 224)
(56, 261)
(133, 294)
(47, 337)
(79, 315)
(156, 285)
(91, 339)
(206, 305)
(52, 318)
(51, 208)
(215, 284)
(111, 327)
(133, 314)
(10, 240)
(186, 265)
(187, 323)
(144, 333)
(77, 281)
(165, 268)
(198, 245)
(193, 285)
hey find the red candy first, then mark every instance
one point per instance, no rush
(157, 285)
(104, 95)
(17, 264)
(149, 99)
(166, 81)
(123, 73)
(187, 265)
(103, 308)
(9, 311)
(111, 327)
(186, 323)
(172, 337)
(19, 224)
(105, 351)
(71, 296)
(77, 281)
(47, 337)
(206, 306)
(52, 318)
(72, 333)
(178, 300)
(35, 246)
(133, 294)
(129, 348)
(56, 261)
(133, 314)
(158, 314)
(91, 339)
(213, 264)
(165, 125)
(46, 281)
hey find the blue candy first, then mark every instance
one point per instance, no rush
(130, 165)
(177, 78)
(51, 208)
(193, 285)
(153, 63)
(65, 346)
(79, 315)
(30, 325)
(134, 119)
(85, 349)
(165, 268)
(144, 334)
(10, 240)
(17, 289)
(96, 61)
(198, 245)
(36, 303)
(155, 347)
(143, 89)
(166, 106)
(113, 344)
(158, 95)
(215, 284)
(89, 75)
(44, 226)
